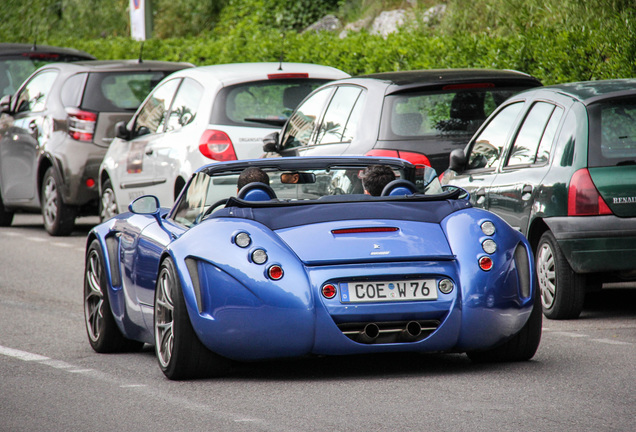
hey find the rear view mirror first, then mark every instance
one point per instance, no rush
(121, 131)
(270, 143)
(5, 104)
(457, 160)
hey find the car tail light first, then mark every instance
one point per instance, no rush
(363, 230)
(284, 75)
(485, 263)
(329, 290)
(81, 124)
(275, 272)
(412, 157)
(583, 197)
(468, 86)
(217, 145)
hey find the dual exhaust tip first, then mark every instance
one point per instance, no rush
(409, 333)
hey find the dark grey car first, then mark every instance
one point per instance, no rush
(55, 131)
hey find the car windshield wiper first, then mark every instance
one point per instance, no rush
(627, 162)
(269, 121)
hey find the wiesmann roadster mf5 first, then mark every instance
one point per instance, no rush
(309, 265)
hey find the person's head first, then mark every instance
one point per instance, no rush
(252, 174)
(375, 177)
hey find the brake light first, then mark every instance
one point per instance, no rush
(467, 86)
(363, 230)
(217, 145)
(583, 197)
(287, 75)
(81, 124)
(412, 157)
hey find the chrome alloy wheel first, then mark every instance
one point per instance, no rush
(109, 205)
(546, 273)
(93, 297)
(164, 308)
(50, 205)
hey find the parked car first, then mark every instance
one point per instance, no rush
(558, 163)
(55, 131)
(419, 116)
(197, 116)
(309, 265)
(18, 61)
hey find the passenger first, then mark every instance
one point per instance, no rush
(250, 175)
(375, 177)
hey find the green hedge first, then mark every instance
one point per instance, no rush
(552, 57)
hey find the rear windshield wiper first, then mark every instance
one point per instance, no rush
(273, 122)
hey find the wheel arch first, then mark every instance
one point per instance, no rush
(536, 230)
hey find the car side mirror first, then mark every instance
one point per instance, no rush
(457, 160)
(147, 204)
(270, 143)
(5, 104)
(121, 130)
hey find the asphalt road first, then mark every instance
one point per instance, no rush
(582, 378)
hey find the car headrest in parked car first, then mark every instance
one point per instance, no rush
(399, 187)
(256, 191)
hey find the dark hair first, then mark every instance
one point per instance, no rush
(375, 177)
(252, 174)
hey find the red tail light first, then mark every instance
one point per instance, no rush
(414, 158)
(363, 230)
(217, 145)
(81, 124)
(583, 197)
(289, 75)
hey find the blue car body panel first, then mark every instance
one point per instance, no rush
(237, 311)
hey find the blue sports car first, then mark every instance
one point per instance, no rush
(309, 264)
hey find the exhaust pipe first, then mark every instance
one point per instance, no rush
(412, 331)
(370, 333)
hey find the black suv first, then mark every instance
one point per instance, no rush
(55, 131)
(420, 116)
(18, 61)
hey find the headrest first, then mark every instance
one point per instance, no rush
(399, 187)
(256, 191)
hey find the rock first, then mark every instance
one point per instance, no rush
(434, 15)
(388, 22)
(327, 23)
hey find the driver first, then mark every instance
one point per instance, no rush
(375, 177)
(252, 174)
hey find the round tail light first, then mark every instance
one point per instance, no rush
(275, 272)
(485, 263)
(329, 291)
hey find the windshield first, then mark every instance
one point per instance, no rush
(613, 133)
(206, 193)
(261, 103)
(427, 114)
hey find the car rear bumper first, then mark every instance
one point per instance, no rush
(594, 244)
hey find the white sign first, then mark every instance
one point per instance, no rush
(138, 20)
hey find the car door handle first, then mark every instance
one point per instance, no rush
(526, 192)
(149, 152)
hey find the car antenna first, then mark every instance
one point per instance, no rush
(282, 54)
(141, 52)
(35, 44)
(597, 63)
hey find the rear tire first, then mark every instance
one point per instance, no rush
(103, 333)
(108, 202)
(59, 218)
(6, 217)
(520, 347)
(562, 290)
(180, 353)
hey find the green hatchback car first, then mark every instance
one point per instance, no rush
(559, 164)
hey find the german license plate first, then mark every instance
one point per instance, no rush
(407, 290)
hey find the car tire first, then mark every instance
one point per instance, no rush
(180, 353)
(59, 218)
(103, 333)
(562, 290)
(520, 347)
(6, 217)
(108, 202)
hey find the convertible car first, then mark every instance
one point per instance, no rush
(309, 265)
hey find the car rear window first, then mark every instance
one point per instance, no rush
(612, 133)
(119, 91)
(261, 103)
(424, 114)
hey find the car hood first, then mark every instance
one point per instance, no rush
(355, 241)
(616, 186)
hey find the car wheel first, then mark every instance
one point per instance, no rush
(562, 290)
(520, 347)
(103, 333)
(6, 217)
(59, 218)
(180, 353)
(108, 203)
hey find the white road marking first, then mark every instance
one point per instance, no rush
(21, 355)
(611, 341)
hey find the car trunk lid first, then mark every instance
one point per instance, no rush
(616, 186)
